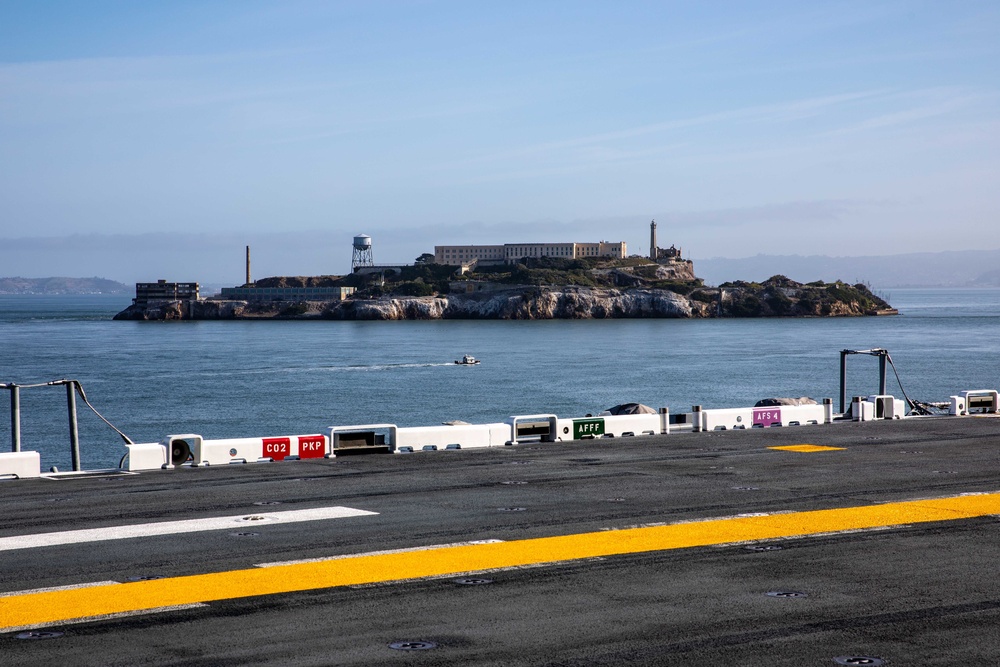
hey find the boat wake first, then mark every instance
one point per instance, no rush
(382, 367)
(267, 371)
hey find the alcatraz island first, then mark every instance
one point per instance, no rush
(513, 281)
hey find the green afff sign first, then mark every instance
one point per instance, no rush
(587, 427)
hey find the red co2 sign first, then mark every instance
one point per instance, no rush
(312, 446)
(277, 448)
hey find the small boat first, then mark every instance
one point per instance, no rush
(468, 360)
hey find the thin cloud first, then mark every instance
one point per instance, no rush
(945, 104)
(141, 84)
(760, 113)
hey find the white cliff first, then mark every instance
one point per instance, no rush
(524, 304)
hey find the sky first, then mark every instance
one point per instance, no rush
(156, 139)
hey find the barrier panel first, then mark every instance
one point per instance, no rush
(613, 426)
(533, 428)
(458, 436)
(182, 449)
(789, 415)
(975, 401)
(888, 407)
(193, 449)
(253, 450)
(362, 439)
(764, 417)
(22, 465)
(230, 450)
(146, 456)
(793, 415)
(729, 418)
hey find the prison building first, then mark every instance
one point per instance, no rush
(511, 253)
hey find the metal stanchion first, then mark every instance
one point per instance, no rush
(74, 434)
(15, 417)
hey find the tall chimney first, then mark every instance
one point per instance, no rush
(248, 265)
(652, 240)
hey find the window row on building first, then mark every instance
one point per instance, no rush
(161, 290)
(512, 252)
(287, 293)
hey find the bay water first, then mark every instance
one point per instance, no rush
(225, 379)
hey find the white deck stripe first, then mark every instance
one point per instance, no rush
(241, 521)
(58, 588)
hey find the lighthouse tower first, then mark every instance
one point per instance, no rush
(652, 241)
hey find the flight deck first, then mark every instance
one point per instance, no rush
(856, 543)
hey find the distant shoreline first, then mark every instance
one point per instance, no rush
(63, 286)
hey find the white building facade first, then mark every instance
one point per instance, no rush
(510, 253)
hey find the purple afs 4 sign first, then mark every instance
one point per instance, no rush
(766, 416)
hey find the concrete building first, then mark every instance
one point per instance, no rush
(510, 253)
(161, 290)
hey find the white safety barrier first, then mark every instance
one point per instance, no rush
(357, 438)
(177, 450)
(888, 407)
(21, 465)
(253, 450)
(338, 435)
(731, 418)
(612, 426)
(457, 436)
(192, 449)
(765, 417)
(146, 456)
(877, 406)
(980, 400)
(522, 428)
(181, 448)
(533, 428)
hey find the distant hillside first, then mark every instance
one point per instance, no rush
(967, 268)
(63, 286)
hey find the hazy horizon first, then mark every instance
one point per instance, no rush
(131, 259)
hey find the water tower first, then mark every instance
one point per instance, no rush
(362, 252)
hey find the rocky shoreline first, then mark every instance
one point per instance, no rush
(778, 297)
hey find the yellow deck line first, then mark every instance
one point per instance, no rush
(807, 448)
(27, 610)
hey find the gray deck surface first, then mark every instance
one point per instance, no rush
(926, 594)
